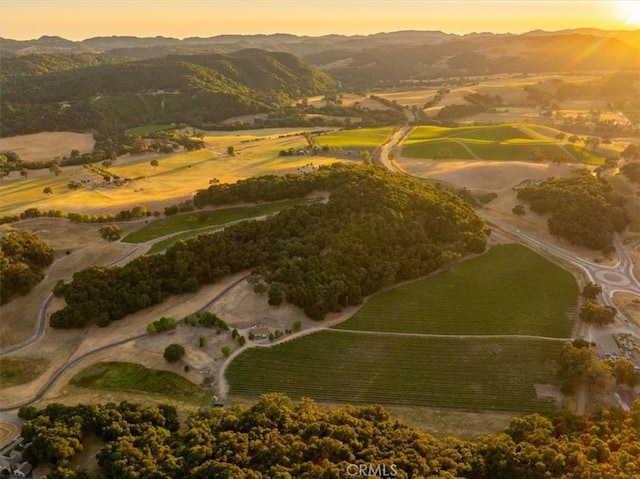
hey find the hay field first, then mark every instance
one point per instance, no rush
(47, 145)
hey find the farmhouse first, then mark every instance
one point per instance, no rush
(259, 332)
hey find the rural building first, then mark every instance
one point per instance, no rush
(23, 470)
(259, 332)
(10, 461)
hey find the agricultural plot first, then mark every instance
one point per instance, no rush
(510, 290)
(360, 139)
(475, 374)
(509, 142)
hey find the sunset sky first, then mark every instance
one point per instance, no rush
(80, 19)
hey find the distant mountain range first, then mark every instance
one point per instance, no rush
(107, 83)
(361, 59)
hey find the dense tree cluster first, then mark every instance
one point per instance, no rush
(277, 438)
(378, 228)
(584, 209)
(632, 170)
(22, 260)
(173, 353)
(592, 312)
(579, 365)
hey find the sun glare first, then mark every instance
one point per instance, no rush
(629, 11)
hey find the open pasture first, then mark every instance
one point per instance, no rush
(508, 290)
(176, 177)
(358, 139)
(465, 373)
(47, 145)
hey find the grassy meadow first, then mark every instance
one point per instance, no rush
(134, 377)
(392, 369)
(508, 290)
(15, 371)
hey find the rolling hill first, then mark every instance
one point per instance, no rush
(79, 92)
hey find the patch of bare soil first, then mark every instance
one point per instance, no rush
(243, 308)
(480, 174)
(629, 305)
(47, 145)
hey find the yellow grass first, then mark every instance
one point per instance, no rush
(177, 177)
(47, 145)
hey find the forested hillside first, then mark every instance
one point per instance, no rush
(378, 228)
(277, 438)
(66, 92)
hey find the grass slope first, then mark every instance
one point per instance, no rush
(508, 290)
(487, 374)
(134, 377)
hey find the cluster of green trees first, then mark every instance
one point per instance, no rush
(592, 312)
(124, 215)
(161, 325)
(584, 209)
(279, 438)
(206, 319)
(23, 259)
(378, 228)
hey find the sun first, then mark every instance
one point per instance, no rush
(629, 11)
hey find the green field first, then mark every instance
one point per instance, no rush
(148, 129)
(202, 219)
(475, 374)
(508, 290)
(415, 344)
(360, 139)
(134, 377)
(508, 142)
(14, 371)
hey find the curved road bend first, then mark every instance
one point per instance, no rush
(69, 364)
(42, 315)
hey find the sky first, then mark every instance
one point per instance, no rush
(81, 19)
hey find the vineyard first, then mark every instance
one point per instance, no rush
(474, 374)
(499, 292)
